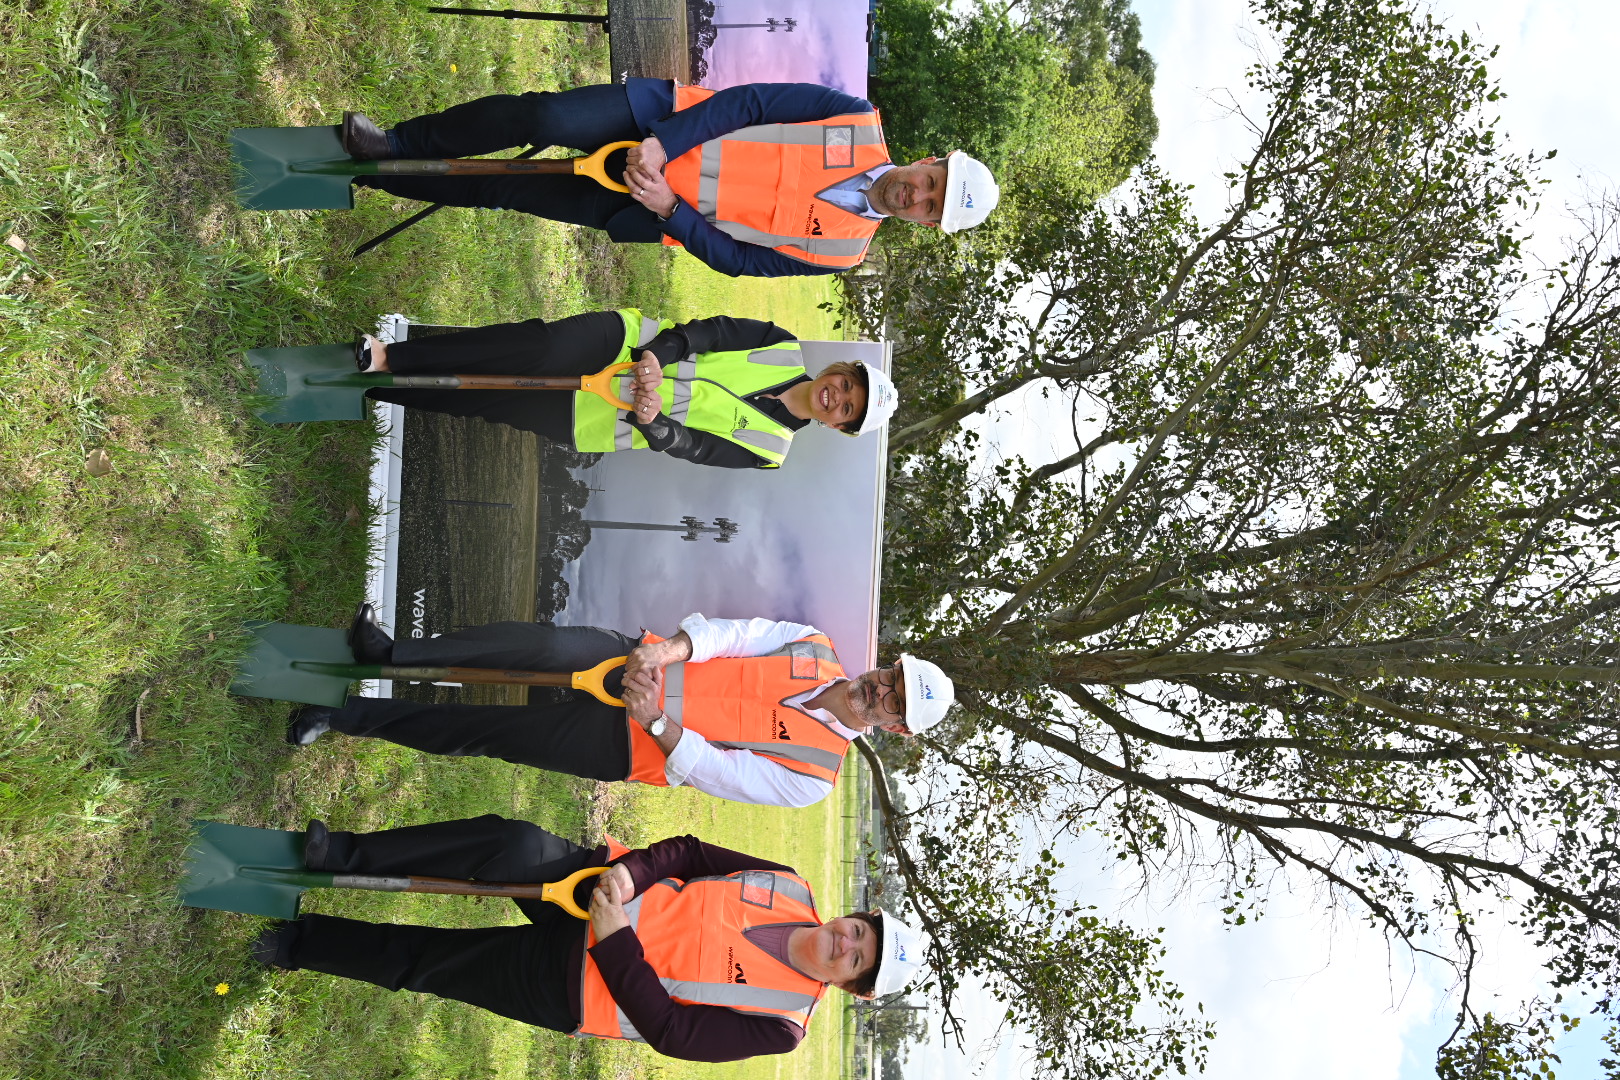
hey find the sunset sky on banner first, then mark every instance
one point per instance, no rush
(827, 46)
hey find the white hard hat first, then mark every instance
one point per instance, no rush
(904, 948)
(881, 399)
(971, 193)
(929, 693)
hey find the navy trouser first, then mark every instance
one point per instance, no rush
(582, 119)
(520, 972)
(578, 345)
(581, 736)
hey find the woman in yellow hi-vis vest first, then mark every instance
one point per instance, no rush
(720, 391)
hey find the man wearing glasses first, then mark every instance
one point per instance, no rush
(744, 709)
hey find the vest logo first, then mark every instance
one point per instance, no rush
(816, 227)
(739, 420)
(734, 970)
(779, 728)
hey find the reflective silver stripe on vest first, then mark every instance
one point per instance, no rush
(626, 1028)
(681, 396)
(776, 356)
(808, 755)
(675, 691)
(808, 134)
(764, 440)
(820, 245)
(649, 330)
(739, 996)
(807, 646)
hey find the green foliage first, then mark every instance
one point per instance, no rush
(1325, 589)
(1049, 98)
(1493, 1049)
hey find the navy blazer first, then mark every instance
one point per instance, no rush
(652, 103)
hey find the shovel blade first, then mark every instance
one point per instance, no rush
(264, 177)
(254, 871)
(288, 399)
(267, 670)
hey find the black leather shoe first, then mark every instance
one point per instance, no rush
(273, 944)
(317, 839)
(363, 139)
(369, 643)
(309, 724)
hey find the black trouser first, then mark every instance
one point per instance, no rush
(578, 345)
(580, 736)
(516, 971)
(585, 119)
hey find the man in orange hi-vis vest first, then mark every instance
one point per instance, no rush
(701, 952)
(743, 709)
(761, 180)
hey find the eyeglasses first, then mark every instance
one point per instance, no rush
(893, 688)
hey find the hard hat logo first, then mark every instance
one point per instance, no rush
(977, 193)
(898, 967)
(929, 693)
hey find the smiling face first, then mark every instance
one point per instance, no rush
(837, 952)
(838, 400)
(914, 192)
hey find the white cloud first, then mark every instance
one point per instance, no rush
(1299, 996)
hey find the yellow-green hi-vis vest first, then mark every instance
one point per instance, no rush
(704, 392)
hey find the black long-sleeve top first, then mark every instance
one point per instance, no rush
(721, 333)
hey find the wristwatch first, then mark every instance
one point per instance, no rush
(658, 726)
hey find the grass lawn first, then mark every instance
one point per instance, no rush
(144, 513)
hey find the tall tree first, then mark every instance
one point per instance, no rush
(1327, 588)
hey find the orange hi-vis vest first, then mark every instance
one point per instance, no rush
(762, 184)
(691, 932)
(737, 703)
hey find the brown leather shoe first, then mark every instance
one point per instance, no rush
(363, 139)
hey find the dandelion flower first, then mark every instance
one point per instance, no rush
(223, 988)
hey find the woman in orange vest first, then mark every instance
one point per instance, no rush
(746, 986)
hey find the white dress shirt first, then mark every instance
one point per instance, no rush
(742, 775)
(851, 194)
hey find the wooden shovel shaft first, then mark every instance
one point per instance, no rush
(475, 167)
(600, 384)
(482, 676)
(560, 893)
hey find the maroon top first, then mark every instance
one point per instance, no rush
(693, 1032)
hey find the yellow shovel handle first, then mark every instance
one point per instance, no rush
(593, 165)
(561, 892)
(601, 384)
(591, 681)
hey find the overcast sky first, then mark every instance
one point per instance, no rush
(1296, 996)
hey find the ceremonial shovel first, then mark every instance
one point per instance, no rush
(306, 168)
(314, 665)
(261, 872)
(319, 382)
